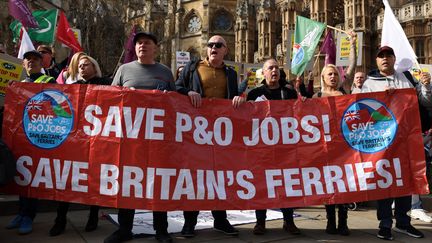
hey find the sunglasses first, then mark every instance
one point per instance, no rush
(44, 52)
(215, 45)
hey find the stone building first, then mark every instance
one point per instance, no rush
(254, 29)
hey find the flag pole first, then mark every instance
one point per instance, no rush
(417, 65)
(337, 29)
(118, 63)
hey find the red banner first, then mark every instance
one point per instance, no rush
(116, 147)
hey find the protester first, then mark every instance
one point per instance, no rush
(48, 63)
(145, 73)
(331, 85)
(209, 78)
(90, 73)
(359, 78)
(386, 78)
(273, 88)
(32, 64)
(70, 75)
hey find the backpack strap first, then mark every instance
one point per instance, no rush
(410, 78)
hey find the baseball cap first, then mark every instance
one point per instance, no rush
(32, 53)
(145, 34)
(387, 49)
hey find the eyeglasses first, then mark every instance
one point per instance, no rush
(215, 45)
(44, 52)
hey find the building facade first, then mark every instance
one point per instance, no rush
(254, 29)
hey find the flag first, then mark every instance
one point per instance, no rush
(26, 44)
(66, 35)
(19, 10)
(47, 20)
(329, 48)
(129, 48)
(394, 36)
(306, 37)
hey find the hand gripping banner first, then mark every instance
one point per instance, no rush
(117, 147)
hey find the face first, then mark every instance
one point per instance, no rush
(331, 77)
(359, 79)
(271, 73)
(46, 57)
(86, 69)
(32, 64)
(216, 48)
(145, 49)
(385, 62)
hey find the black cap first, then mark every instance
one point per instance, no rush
(387, 49)
(145, 34)
(32, 53)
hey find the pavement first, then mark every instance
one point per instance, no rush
(312, 222)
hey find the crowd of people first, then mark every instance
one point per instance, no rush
(211, 78)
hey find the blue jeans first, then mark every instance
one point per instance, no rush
(385, 214)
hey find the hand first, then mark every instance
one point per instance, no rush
(353, 37)
(425, 78)
(195, 99)
(298, 82)
(131, 88)
(390, 90)
(237, 101)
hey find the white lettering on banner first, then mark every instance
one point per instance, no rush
(285, 132)
(343, 177)
(201, 134)
(43, 174)
(109, 180)
(61, 179)
(113, 122)
(189, 184)
(78, 176)
(120, 123)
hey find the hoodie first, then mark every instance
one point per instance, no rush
(376, 82)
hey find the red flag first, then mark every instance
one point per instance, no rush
(66, 35)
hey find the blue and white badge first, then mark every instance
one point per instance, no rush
(369, 126)
(48, 119)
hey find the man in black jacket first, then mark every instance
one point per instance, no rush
(273, 88)
(209, 78)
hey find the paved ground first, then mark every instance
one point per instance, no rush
(312, 222)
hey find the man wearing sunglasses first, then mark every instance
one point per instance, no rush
(382, 79)
(209, 78)
(48, 62)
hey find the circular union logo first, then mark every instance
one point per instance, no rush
(48, 119)
(298, 54)
(369, 126)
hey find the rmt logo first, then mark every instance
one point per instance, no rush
(9, 66)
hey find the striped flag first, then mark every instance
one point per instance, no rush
(306, 38)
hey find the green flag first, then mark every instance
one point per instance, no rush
(306, 37)
(47, 20)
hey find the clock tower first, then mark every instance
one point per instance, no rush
(197, 21)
